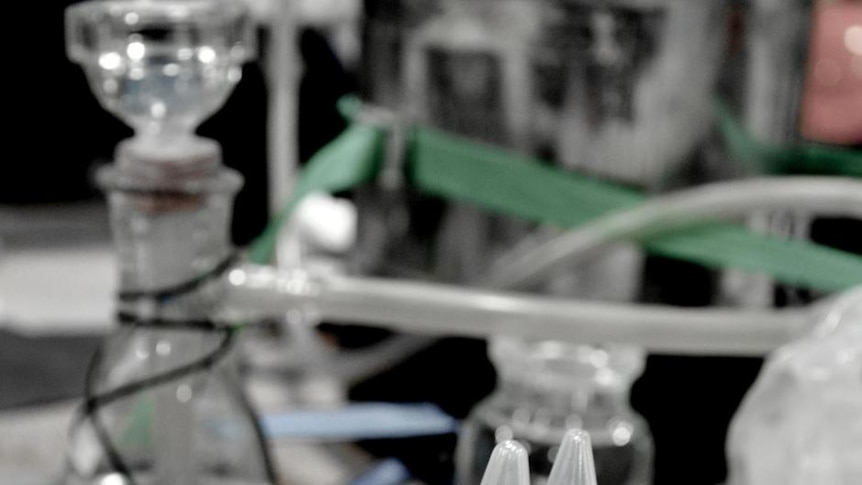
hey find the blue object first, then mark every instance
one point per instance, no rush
(386, 472)
(361, 421)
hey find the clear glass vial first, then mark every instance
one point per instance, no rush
(548, 387)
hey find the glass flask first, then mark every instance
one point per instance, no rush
(465, 72)
(195, 428)
(623, 89)
(163, 404)
(546, 388)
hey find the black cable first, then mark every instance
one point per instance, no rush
(94, 401)
(202, 364)
(115, 459)
(164, 294)
(257, 428)
(127, 319)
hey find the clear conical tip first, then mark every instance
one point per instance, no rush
(574, 464)
(508, 465)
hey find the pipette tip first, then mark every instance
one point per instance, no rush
(574, 464)
(508, 465)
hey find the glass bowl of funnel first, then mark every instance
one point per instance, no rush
(162, 66)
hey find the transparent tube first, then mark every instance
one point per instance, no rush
(255, 292)
(523, 267)
(282, 66)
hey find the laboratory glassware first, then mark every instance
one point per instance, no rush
(776, 46)
(766, 84)
(465, 71)
(163, 404)
(548, 387)
(622, 89)
(161, 66)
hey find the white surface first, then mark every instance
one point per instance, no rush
(50, 290)
(32, 443)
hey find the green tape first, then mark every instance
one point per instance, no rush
(352, 159)
(455, 168)
(507, 183)
(804, 159)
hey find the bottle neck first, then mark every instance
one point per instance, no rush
(578, 398)
(566, 378)
(171, 224)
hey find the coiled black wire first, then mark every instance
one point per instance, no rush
(164, 294)
(94, 400)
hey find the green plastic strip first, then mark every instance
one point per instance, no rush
(804, 159)
(456, 168)
(352, 159)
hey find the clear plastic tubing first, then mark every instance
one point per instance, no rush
(822, 195)
(256, 291)
(436, 309)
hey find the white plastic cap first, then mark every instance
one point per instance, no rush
(326, 222)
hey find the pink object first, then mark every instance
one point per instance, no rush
(832, 108)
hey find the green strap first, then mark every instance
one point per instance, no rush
(352, 159)
(515, 185)
(456, 168)
(804, 159)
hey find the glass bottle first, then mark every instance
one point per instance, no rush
(195, 428)
(466, 73)
(546, 388)
(163, 405)
(623, 88)
(466, 70)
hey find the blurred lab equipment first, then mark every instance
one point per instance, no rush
(163, 405)
(619, 90)
(547, 387)
(507, 465)
(386, 27)
(832, 100)
(572, 458)
(801, 423)
(465, 72)
(622, 88)
(776, 36)
(575, 463)
(163, 67)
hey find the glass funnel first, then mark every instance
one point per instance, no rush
(161, 66)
